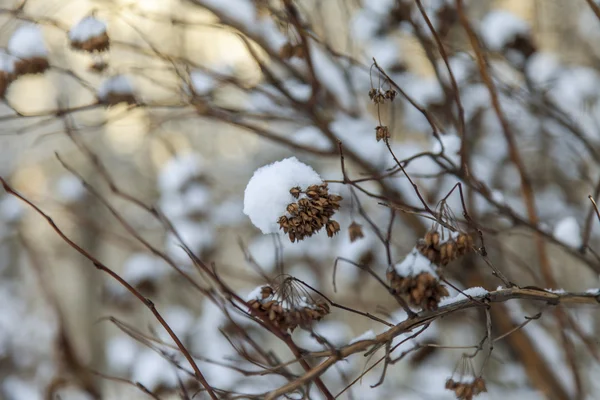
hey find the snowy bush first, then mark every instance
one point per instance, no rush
(229, 199)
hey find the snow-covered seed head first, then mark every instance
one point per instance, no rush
(287, 305)
(117, 89)
(290, 196)
(415, 279)
(355, 232)
(27, 45)
(89, 35)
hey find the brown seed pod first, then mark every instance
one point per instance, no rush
(34, 65)
(355, 231)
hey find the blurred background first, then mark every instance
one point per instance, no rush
(214, 97)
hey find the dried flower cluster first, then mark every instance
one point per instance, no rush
(379, 96)
(93, 44)
(382, 132)
(442, 253)
(466, 390)
(312, 211)
(287, 314)
(423, 290)
(33, 65)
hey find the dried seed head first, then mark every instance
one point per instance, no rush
(333, 227)
(355, 231)
(390, 94)
(286, 51)
(287, 306)
(98, 43)
(423, 290)
(34, 65)
(311, 212)
(377, 96)
(295, 191)
(382, 132)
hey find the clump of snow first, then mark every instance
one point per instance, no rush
(476, 291)
(268, 192)
(152, 370)
(27, 42)
(567, 231)
(121, 352)
(541, 68)
(414, 264)
(202, 83)
(70, 188)
(86, 29)
(143, 267)
(196, 236)
(7, 62)
(240, 11)
(312, 136)
(179, 170)
(118, 84)
(451, 145)
(11, 209)
(368, 335)
(500, 27)
(593, 291)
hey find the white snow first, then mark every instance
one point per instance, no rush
(16, 388)
(593, 291)
(414, 264)
(312, 136)
(152, 370)
(141, 266)
(451, 144)
(27, 42)
(202, 83)
(476, 291)
(567, 230)
(368, 335)
(179, 170)
(240, 11)
(268, 192)
(255, 294)
(118, 84)
(228, 213)
(121, 352)
(499, 27)
(542, 68)
(11, 209)
(7, 62)
(197, 236)
(86, 29)
(70, 188)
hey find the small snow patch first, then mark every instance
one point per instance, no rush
(368, 335)
(414, 264)
(500, 27)
(118, 84)
(86, 29)
(476, 291)
(567, 231)
(27, 42)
